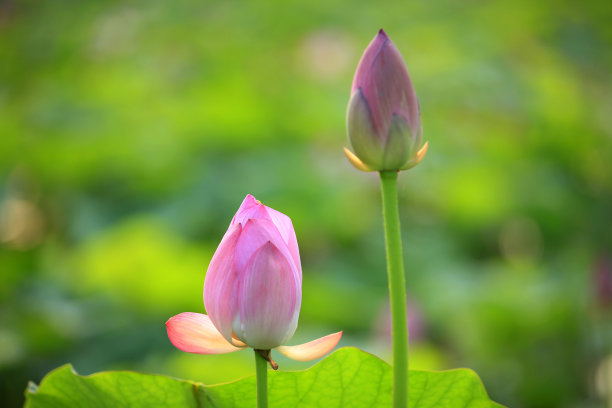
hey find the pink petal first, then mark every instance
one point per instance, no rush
(311, 350)
(195, 333)
(255, 233)
(220, 283)
(269, 300)
(285, 227)
(251, 208)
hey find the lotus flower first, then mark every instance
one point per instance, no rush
(252, 292)
(383, 117)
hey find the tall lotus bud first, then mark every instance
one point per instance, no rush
(383, 118)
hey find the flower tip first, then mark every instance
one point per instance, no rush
(382, 33)
(251, 199)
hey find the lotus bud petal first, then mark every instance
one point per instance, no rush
(313, 349)
(383, 117)
(255, 293)
(252, 291)
(195, 333)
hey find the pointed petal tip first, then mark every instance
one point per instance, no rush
(355, 161)
(421, 153)
(313, 349)
(250, 201)
(246, 209)
(418, 157)
(382, 32)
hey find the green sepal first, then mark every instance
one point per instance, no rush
(360, 128)
(399, 142)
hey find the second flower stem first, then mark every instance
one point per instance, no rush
(261, 375)
(397, 287)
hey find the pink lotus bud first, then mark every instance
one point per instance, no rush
(252, 291)
(383, 118)
(253, 287)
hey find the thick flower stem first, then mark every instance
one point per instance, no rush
(397, 287)
(261, 373)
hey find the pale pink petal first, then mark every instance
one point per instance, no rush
(311, 350)
(220, 283)
(195, 333)
(285, 227)
(269, 300)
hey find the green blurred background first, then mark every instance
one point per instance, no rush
(131, 131)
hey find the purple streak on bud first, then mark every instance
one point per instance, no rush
(383, 78)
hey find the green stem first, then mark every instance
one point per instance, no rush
(397, 287)
(261, 373)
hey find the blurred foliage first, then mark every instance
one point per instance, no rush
(131, 131)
